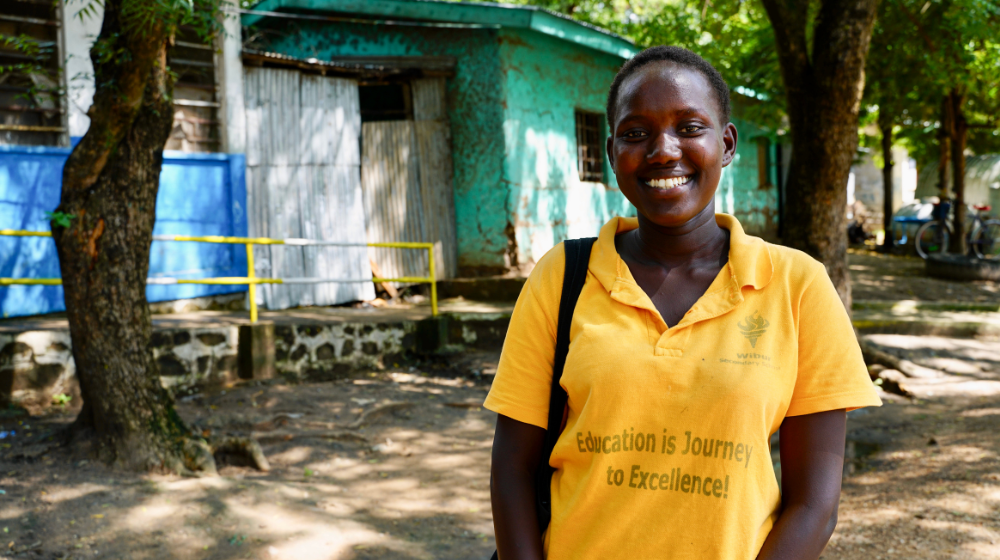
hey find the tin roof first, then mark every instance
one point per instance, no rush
(446, 14)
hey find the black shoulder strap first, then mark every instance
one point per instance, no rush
(577, 263)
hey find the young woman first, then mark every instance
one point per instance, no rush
(691, 344)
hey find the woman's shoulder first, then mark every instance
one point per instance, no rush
(546, 278)
(793, 265)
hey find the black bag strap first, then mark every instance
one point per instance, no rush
(577, 263)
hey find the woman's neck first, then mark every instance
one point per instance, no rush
(700, 239)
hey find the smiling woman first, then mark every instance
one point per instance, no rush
(690, 345)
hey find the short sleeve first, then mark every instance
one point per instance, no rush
(831, 370)
(523, 380)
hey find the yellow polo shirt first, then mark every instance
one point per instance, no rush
(665, 454)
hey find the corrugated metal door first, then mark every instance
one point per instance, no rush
(393, 207)
(407, 184)
(303, 180)
(433, 133)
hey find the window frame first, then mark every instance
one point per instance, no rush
(34, 124)
(590, 167)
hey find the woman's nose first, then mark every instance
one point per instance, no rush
(665, 149)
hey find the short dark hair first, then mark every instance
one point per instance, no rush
(679, 56)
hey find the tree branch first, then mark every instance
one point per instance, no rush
(916, 22)
(789, 25)
(128, 54)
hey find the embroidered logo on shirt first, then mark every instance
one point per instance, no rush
(753, 326)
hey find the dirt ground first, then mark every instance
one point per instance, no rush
(384, 465)
(395, 464)
(876, 276)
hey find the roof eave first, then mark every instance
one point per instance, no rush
(501, 15)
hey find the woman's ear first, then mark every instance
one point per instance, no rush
(729, 138)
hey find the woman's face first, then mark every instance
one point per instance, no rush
(668, 146)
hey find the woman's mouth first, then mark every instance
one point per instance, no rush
(668, 182)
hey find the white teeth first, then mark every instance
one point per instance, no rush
(668, 183)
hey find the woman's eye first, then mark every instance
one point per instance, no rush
(690, 129)
(634, 134)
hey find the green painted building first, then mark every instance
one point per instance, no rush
(523, 95)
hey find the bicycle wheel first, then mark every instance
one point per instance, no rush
(986, 242)
(931, 238)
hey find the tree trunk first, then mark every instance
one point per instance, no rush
(959, 131)
(886, 127)
(944, 158)
(823, 86)
(110, 183)
(944, 139)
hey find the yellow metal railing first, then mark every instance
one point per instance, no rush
(251, 280)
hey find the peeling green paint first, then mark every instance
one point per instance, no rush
(545, 81)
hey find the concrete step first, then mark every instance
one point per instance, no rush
(933, 319)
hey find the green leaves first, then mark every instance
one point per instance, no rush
(921, 49)
(88, 10)
(59, 219)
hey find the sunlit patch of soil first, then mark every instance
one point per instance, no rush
(411, 483)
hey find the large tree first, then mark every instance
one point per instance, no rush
(822, 47)
(103, 230)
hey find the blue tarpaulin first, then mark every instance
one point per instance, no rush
(200, 194)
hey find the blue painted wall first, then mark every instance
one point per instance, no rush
(200, 194)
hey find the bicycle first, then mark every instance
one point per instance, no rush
(986, 241)
(983, 237)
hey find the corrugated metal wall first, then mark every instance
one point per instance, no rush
(303, 180)
(407, 183)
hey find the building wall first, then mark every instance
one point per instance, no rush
(865, 186)
(511, 107)
(982, 180)
(545, 80)
(475, 111)
(741, 192)
(200, 194)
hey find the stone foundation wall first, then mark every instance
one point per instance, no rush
(321, 352)
(34, 367)
(192, 357)
(37, 365)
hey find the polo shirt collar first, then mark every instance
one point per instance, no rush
(749, 259)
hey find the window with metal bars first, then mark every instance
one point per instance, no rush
(589, 151)
(196, 106)
(31, 111)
